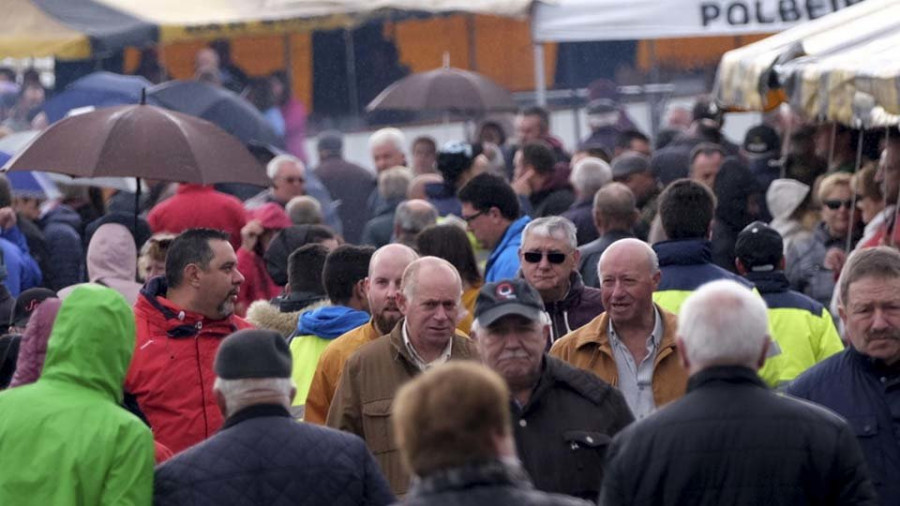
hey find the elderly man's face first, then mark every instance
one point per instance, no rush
(513, 346)
(547, 263)
(871, 316)
(386, 155)
(220, 282)
(433, 310)
(289, 182)
(627, 284)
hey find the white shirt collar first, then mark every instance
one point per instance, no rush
(417, 359)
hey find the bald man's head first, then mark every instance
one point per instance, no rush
(384, 282)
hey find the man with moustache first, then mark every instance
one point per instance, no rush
(181, 319)
(382, 286)
(862, 383)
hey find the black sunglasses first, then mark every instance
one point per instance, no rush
(534, 257)
(468, 219)
(834, 205)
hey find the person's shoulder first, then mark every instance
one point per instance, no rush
(586, 384)
(822, 376)
(371, 351)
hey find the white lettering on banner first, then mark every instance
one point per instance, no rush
(759, 12)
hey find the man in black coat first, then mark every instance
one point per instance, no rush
(262, 456)
(564, 418)
(615, 215)
(730, 440)
(348, 183)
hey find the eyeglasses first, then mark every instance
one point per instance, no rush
(554, 257)
(468, 219)
(834, 205)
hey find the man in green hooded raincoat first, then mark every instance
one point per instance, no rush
(65, 439)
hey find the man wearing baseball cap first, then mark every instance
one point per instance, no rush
(802, 328)
(261, 455)
(564, 418)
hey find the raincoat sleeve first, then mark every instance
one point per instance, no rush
(15, 236)
(130, 481)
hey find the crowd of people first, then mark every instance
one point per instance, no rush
(491, 321)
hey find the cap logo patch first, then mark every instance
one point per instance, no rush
(505, 291)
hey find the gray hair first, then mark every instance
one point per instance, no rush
(241, 393)
(589, 175)
(275, 163)
(390, 135)
(412, 216)
(555, 227)
(881, 262)
(304, 210)
(723, 323)
(652, 259)
(393, 183)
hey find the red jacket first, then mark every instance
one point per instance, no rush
(196, 206)
(257, 285)
(171, 374)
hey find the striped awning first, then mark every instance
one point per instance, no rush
(827, 69)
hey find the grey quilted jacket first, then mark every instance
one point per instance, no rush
(263, 457)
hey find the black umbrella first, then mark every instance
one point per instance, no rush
(445, 89)
(217, 105)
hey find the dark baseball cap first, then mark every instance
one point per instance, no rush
(759, 247)
(253, 353)
(761, 139)
(506, 297)
(27, 302)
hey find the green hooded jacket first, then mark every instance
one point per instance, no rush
(65, 440)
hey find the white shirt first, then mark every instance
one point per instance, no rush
(636, 380)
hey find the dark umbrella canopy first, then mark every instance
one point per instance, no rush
(217, 105)
(140, 141)
(446, 89)
(100, 89)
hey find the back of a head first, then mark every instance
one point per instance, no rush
(286, 242)
(759, 247)
(190, 247)
(589, 175)
(686, 210)
(412, 216)
(455, 158)
(451, 416)
(305, 266)
(615, 203)
(451, 243)
(330, 143)
(304, 210)
(723, 323)
(344, 267)
(485, 191)
(393, 183)
(539, 155)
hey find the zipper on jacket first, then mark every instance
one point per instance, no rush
(202, 386)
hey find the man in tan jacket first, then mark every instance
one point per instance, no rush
(632, 344)
(430, 300)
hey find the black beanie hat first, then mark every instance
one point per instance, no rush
(253, 354)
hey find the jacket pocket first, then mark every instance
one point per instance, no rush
(865, 428)
(586, 451)
(376, 422)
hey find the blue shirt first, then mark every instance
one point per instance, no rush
(504, 260)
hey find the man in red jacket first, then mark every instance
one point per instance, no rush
(181, 319)
(194, 206)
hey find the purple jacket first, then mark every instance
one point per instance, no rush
(33, 348)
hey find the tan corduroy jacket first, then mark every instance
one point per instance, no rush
(589, 348)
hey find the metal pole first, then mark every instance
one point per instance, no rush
(540, 82)
(831, 146)
(350, 55)
(859, 150)
(785, 146)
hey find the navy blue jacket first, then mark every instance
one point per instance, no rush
(686, 264)
(66, 264)
(865, 393)
(263, 457)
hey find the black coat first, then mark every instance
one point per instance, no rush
(351, 185)
(487, 484)
(591, 252)
(263, 457)
(562, 433)
(731, 441)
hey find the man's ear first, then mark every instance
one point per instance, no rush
(402, 302)
(765, 352)
(191, 275)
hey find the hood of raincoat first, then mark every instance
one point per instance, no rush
(112, 254)
(330, 322)
(92, 341)
(784, 196)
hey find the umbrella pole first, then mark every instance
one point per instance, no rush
(785, 146)
(859, 150)
(137, 205)
(831, 145)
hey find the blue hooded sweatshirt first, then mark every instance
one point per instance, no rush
(315, 331)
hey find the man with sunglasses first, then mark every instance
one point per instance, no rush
(549, 259)
(491, 211)
(288, 180)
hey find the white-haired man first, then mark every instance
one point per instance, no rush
(287, 176)
(563, 417)
(632, 344)
(730, 440)
(549, 259)
(387, 147)
(587, 177)
(261, 456)
(430, 301)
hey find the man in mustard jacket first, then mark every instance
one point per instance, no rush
(632, 344)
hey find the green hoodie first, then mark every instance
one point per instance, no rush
(65, 440)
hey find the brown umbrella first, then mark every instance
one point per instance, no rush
(445, 89)
(140, 141)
